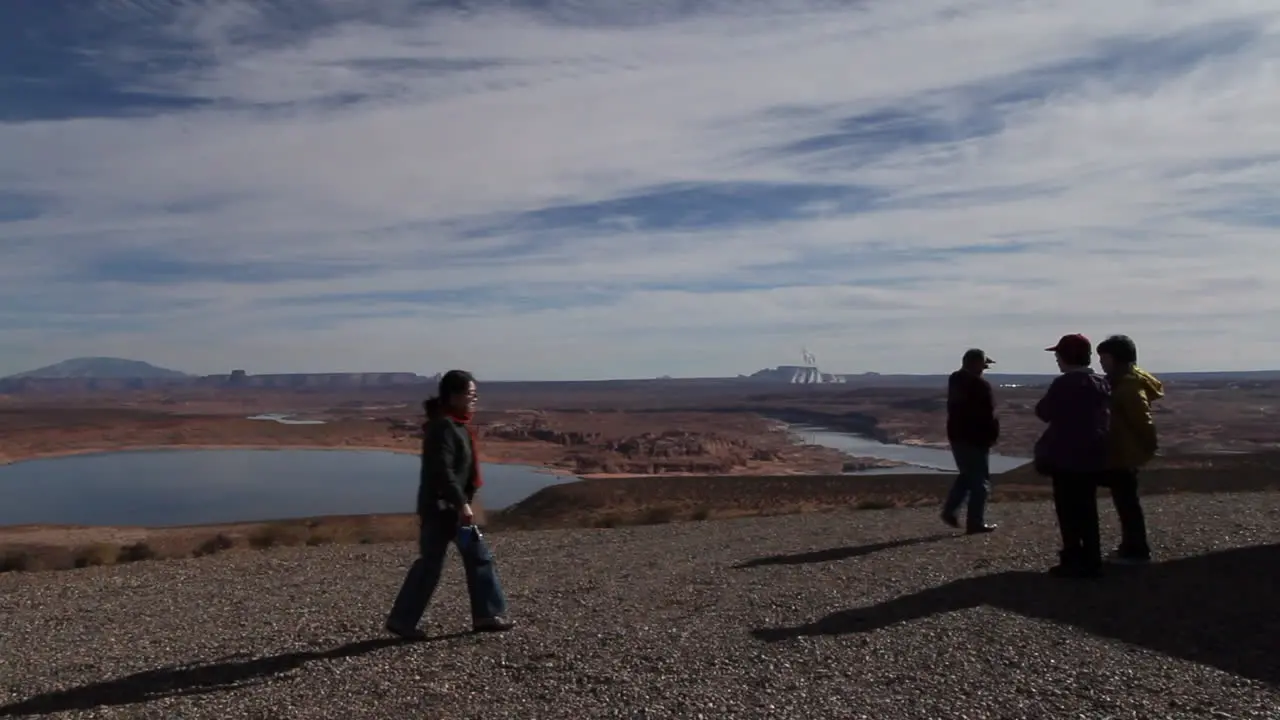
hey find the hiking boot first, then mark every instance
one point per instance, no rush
(408, 634)
(950, 519)
(493, 624)
(981, 529)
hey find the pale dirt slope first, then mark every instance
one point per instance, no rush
(658, 622)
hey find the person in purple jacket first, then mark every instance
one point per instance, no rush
(1073, 452)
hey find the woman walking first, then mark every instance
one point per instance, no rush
(448, 483)
(1073, 451)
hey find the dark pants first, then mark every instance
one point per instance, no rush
(973, 482)
(1133, 525)
(438, 530)
(1075, 499)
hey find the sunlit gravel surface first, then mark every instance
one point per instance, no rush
(884, 615)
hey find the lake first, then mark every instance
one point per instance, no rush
(187, 487)
(284, 419)
(919, 459)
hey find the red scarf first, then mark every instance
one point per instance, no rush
(465, 419)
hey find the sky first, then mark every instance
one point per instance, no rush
(557, 189)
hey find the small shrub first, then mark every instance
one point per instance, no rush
(611, 520)
(216, 544)
(15, 561)
(321, 536)
(97, 554)
(137, 552)
(658, 516)
(701, 513)
(278, 534)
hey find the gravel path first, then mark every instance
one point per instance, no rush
(873, 614)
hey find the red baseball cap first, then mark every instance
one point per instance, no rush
(1073, 344)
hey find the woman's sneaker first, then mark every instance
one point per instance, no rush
(493, 624)
(404, 632)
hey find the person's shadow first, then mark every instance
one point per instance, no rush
(840, 553)
(1220, 609)
(178, 681)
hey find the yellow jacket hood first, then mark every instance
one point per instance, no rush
(1148, 383)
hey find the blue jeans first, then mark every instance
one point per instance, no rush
(439, 529)
(973, 482)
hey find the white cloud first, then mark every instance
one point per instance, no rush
(1132, 188)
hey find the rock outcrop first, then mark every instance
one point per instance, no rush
(796, 375)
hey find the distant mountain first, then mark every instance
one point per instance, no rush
(99, 367)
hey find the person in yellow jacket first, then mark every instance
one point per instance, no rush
(1132, 440)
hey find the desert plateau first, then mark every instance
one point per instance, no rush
(645, 451)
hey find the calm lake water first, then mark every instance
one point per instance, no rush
(184, 487)
(919, 459)
(284, 419)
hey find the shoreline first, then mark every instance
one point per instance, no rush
(6, 460)
(616, 502)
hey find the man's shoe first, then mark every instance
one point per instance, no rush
(950, 519)
(981, 529)
(493, 624)
(408, 634)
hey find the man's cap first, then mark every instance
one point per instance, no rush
(1073, 344)
(973, 354)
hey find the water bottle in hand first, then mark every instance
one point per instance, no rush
(467, 537)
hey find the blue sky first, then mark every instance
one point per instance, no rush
(632, 189)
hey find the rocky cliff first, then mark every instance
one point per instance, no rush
(312, 380)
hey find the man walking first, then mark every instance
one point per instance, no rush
(1132, 440)
(972, 429)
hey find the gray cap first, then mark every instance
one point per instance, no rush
(974, 354)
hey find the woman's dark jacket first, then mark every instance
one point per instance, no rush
(448, 473)
(1077, 408)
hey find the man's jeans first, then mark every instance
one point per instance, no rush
(439, 529)
(972, 483)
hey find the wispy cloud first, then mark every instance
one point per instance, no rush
(561, 189)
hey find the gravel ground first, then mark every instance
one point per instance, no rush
(873, 614)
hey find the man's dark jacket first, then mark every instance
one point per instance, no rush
(448, 466)
(971, 411)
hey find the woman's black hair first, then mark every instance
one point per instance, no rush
(433, 408)
(454, 382)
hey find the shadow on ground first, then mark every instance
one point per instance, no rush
(185, 680)
(1218, 609)
(840, 553)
